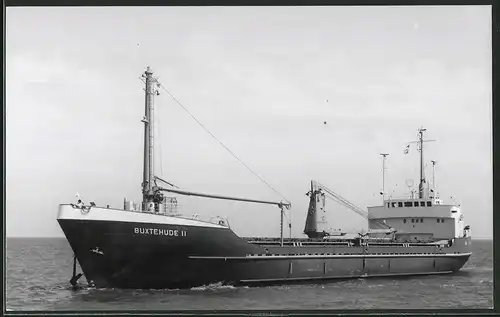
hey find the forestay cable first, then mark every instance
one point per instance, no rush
(222, 144)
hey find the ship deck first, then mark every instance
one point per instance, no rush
(340, 242)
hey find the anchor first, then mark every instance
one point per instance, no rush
(74, 279)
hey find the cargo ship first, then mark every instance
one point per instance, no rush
(153, 246)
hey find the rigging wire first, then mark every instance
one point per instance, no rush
(222, 144)
(159, 139)
(341, 200)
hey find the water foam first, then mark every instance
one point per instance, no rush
(213, 287)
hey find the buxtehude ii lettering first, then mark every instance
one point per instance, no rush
(160, 232)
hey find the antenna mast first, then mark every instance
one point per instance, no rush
(422, 175)
(384, 156)
(421, 149)
(148, 120)
(433, 176)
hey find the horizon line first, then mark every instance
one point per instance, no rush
(63, 237)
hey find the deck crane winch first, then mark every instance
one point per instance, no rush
(317, 194)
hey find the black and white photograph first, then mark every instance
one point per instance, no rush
(220, 158)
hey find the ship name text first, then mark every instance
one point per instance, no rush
(160, 232)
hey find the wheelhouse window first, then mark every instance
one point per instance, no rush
(429, 204)
(388, 205)
(422, 204)
(404, 220)
(415, 204)
(413, 220)
(421, 220)
(393, 204)
(400, 204)
(408, 204)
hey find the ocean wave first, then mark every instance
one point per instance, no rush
(57, 287)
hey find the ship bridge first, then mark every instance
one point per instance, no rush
(423, 218)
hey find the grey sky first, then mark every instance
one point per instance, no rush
(259, 78)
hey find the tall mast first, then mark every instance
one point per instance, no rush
(422, 172)
(384, 155)
(420, 147)
(281, 227)
(148, 172)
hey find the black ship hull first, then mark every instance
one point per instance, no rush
(125, 249)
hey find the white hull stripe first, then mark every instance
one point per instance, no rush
(331, 256)
(68, 212)
(341, 277)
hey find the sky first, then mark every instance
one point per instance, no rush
(263, 80)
